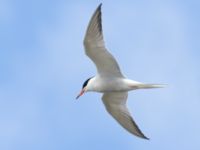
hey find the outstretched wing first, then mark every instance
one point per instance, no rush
(95, 47)
(115, 104)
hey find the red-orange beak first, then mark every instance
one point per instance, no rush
(81, 93)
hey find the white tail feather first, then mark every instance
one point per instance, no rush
(149, 86)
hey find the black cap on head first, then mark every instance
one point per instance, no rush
(86, 82)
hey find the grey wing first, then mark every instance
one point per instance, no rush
(115, 104)
(95, 47)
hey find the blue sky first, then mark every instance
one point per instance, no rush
(43, 66)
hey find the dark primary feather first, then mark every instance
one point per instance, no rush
(95, 47)
(94, 29)
(99, 18)
(115, 103)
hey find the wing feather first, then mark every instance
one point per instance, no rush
(95, 47)
(115, 104)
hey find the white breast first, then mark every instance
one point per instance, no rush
(107, 84)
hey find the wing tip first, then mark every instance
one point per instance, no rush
(146, 138)
(141, 135)
(100, 5)
(94, 32)
(99, 8)
(139, 132)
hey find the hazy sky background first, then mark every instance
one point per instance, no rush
(43, 66)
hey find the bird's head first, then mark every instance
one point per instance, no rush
(85, 87)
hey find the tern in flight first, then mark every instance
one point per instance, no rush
(109, 79)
